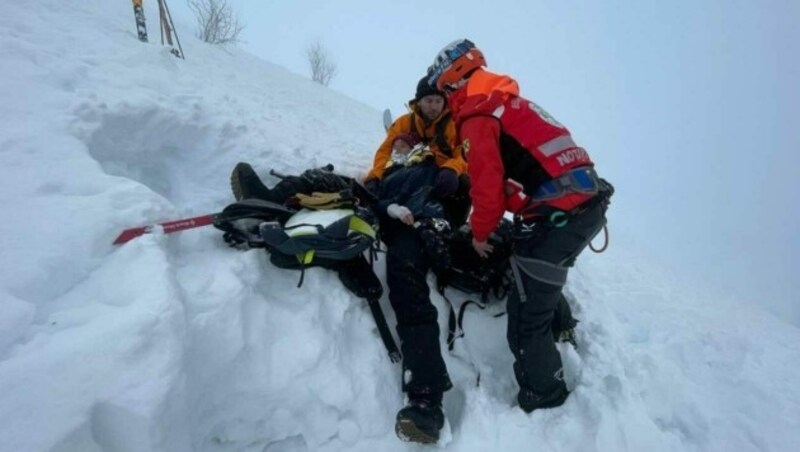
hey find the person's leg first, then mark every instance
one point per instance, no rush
(425, 376)
(245, 184)
(538, 366)
(424, 370)
(311, 180)
(542, 256)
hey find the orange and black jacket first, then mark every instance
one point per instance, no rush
(446, 147)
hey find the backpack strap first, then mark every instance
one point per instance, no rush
(414, 125)
(359, 277)
(440, 138)
(328, 200)
(383, 330)
(455, 325)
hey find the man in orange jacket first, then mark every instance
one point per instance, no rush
(409, 255)
(521, 159)
(430, 119)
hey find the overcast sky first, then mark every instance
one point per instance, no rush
(690, 107)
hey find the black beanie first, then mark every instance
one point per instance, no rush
(424, 89)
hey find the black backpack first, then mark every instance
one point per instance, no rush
(490, 278)
(298, 244)
(305, 243)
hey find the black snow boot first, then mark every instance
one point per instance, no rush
(529, 400)
(421, 420)
(246, 184)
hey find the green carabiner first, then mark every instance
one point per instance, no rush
(559, 219)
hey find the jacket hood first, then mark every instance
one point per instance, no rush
(483, 92)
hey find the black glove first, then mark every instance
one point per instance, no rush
(236, 239)
(446, 183)
(435, 247)
(242, 234)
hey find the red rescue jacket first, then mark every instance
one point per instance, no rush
(505, 136)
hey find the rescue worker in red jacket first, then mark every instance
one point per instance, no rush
(521, 158)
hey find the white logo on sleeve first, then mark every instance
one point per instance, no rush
(545, 115)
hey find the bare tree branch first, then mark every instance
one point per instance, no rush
(323, 68)
(216, 22)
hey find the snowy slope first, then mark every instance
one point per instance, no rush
(177, 343)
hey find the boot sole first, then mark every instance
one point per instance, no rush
(408, 431)
(236, 184)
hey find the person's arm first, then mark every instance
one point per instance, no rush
(392, 189)
(486, 174)
(401, 213)
(384, 152)
(393, 199)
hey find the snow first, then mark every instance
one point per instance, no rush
(177, 342)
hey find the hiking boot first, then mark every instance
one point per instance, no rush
(246, 184)
(529, 400)
(421, 420)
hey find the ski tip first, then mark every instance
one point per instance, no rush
(387, 119)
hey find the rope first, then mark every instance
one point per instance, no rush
(605, 245)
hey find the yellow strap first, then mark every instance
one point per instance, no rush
(306, 258)
(359, 225)
(318, 200)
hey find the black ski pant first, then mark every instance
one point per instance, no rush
(542, 256)
(424, 371)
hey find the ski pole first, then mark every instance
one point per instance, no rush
(247, 208)
(168, 226)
